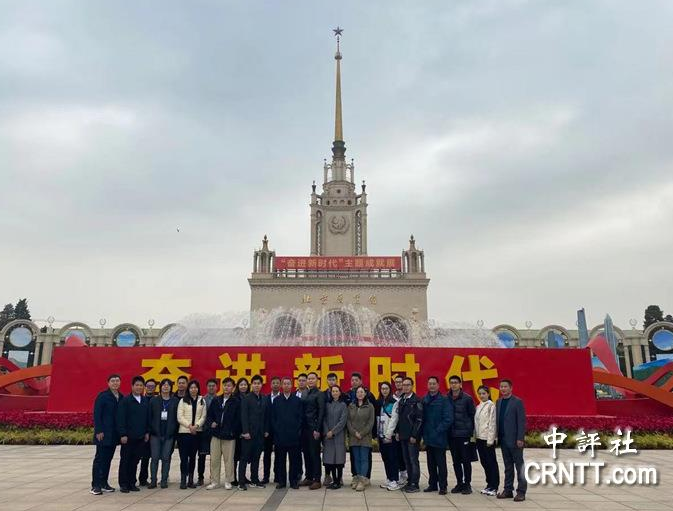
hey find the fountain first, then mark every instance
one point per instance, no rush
(345, 326)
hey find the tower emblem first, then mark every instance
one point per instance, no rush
(338, 224)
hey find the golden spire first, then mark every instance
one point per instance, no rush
(338, 124)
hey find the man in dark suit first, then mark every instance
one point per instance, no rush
(511, 425)
(133, 425)
(268, 441)
(286, 420)
(105, 435)
(254, 428)
(314, 412)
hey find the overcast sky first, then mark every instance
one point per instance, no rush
(528, 146)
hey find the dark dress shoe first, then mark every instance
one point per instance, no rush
(520, 497)
(164, 484)
(457, 489)
(505, 495)
(315, 485)
(280, 486)
(429, 489)
(265, 480)
(442, 491)
(151, 486)
(306, 482)
(134, 488)
(294, 486)
(467, 489)
(124, 490)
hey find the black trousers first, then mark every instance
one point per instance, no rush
(389, 456)
(462, 466)
(251, 450)
(410, 453)
(268, 450)
(145, 464)
(131, 452)
(311, 449)
(513, 459)
(204, 450)
(400, 458)
(100, 471)
(490, 464)
(283, 452)
(352, 462)
(437, 472)
(336, 472)
(188, 446)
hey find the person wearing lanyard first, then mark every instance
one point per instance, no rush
(163, 426)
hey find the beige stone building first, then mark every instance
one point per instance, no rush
(339, 290)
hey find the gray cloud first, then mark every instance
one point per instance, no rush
(525, 144)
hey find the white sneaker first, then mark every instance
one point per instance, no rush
(403, 477)
(492, 493)
(393, 485)
(385, 485)
(227, 486)
(485, 491)
(212, 486)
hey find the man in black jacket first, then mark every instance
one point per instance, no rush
(314, 412)
(150, 392)
(287, 413)
(409, 429)
(459, 435)
(105, 435)
(134, 428)
(268, 441)
(511, 426)
(254, 428)
(163, 428)
(224, 423)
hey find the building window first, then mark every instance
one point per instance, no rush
(391, 330)
(126, 339)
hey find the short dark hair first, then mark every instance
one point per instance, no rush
(211, 380)
(302, 374)
(137, 379)
(183, 377)
(398, 376)
(228, 379)
(274, 378)
(312, 373)
(332, 375)
(409, 379)
(164, 381)
(257, 378)
(151, 380)
(286, 378)
(357, 375)
(113, 375)
(455, 377)
(433, 378)
(508, 382)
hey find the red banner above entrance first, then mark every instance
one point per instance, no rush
(550, 381)
(338, 263)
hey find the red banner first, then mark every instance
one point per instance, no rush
(550, 381)
(338, 263)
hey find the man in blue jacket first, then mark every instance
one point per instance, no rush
(287, 414)
(133, 425)
(437, 419)
(105, 436)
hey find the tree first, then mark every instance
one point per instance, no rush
(653, 313)
(21, 310)
(6, 315)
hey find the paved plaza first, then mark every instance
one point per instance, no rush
(51, 478)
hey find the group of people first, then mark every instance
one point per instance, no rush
(239, 425)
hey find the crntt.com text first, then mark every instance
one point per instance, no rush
(559, 473)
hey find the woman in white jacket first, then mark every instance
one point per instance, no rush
(191, 417)
(485, 423)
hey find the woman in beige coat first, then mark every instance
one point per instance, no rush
(361, 418)
(191, 417)
(485, 432)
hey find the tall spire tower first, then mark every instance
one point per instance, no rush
(339, 213)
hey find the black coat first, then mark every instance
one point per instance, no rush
(410, 417)
(437, 420)
(254, 416)
(463, 415)
(133, 418)
(314, 410)
(228, 419)
(286, 419)
(155, 409)
(105, 418)
(514, 422)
